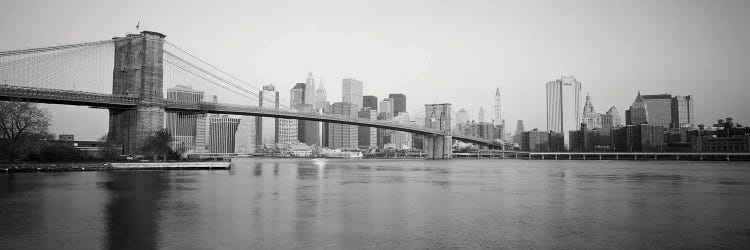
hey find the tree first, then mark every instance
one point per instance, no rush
(158, 144)
(20, 122)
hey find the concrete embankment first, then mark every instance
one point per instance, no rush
(104, 166)
(209, 165)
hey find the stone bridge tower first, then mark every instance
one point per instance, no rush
(138, 72)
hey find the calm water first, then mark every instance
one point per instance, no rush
(303, 204)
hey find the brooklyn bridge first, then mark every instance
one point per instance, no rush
(127, 75)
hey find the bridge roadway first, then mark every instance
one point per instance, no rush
(97, 100)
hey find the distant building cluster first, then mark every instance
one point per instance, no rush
(653, 123)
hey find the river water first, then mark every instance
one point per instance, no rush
(390, 204)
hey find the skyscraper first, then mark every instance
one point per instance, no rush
(564, 106)
(370, 101)
(399, 103)
(321, 99)
(367, 136)
(307, 131)
(481, 114)
(637, 112)
(498, 107)
(386, 109)
(462, 116)
(351, 91)
(343, 135)
(683, 112)
(310, 93)
(659, 109)
(183, 126)
(244, 139)
(223, 130)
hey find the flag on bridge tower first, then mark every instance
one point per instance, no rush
(138, 26)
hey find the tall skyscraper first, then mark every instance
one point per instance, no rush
(370, 101)
(498, 107)
(266, 128)
(386, 109)
(287, 131)
(183, 126)
(367, 136)
(223, 130)
(307, 131)
(659, 109)
(637, 112)
(321, 99)
(683, 113)
(343, 135)
(481, 115)
(244, 141)
(310, 93)
(564, 106)
(462, 116)
(399, 103)
(351, 91)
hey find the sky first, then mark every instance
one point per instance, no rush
(431, 51)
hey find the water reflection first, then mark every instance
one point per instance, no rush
(132, 212)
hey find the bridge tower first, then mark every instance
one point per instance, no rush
(439, 116)
(138, 72)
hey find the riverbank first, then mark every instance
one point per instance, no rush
(108, 166)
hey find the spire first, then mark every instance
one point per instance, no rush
(588, 108)
(321, 87)
(639, 98)
(497, 92)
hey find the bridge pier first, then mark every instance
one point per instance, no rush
(439, 147)
(138, 72)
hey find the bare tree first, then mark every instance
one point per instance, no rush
(158, 144)
(19, 121)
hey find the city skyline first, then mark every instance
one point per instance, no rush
(673, 47)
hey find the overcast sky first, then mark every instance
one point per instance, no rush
(446, 51)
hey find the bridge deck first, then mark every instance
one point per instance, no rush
(98, 100)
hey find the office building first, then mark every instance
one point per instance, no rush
(564, 106)
(659, 109)
(351, 91)
(344, 135)
(386, 109)
(683, 112)
(183, 126)
(480, 116)
(308, 132)
(244, 141)
(367, 136)
(462, 116)
(223, 130)
(370, 102)
(534, 141)
(498, 108)
(399, 103)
